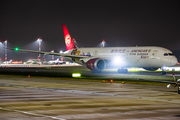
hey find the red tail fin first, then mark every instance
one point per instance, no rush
(69, 43)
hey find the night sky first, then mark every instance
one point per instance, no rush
(119, 23)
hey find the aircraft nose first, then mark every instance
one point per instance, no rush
(174, 61)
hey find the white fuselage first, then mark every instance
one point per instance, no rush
(54, 61)
(149, 56)
(7, 62)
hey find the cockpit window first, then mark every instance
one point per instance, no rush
(165, 54)
(168, 54)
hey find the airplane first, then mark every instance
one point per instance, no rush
(33, 61)
(55, 62)
(176, 82)
(97, 59)
(7, 62)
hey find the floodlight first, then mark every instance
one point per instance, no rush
(39, 39)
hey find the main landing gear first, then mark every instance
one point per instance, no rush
(122, 70)
(95, 71)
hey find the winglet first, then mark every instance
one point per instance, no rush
(68, 40)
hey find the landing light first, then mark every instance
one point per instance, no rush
(117, 60)
(76, 75)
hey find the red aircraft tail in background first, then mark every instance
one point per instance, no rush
(68, 40)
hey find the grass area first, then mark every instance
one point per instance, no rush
(119, 78)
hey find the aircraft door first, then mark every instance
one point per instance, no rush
(153, 55)
(153, 59)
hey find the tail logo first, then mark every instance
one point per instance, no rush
(68, 40)
(69, 43)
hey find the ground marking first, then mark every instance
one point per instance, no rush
(40, 115)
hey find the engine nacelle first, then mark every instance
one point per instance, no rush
(150, 69)
(96, 64)
(178, 82)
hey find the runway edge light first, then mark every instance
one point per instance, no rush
(76, 75)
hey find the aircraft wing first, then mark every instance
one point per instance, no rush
(169, 82)
(50, 53)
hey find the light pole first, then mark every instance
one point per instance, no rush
(0, 48)
(52, 55)
(103, 43)
(5, 50)
(74, 40)
(39, 40)
(61, 58)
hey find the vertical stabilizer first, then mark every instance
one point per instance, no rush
(68, 40)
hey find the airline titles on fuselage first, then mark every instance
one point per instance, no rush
(118, 50)
(132, 51)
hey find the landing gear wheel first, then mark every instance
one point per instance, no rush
(163, 73)
(119, 71)
(125, 71)
(122, 71)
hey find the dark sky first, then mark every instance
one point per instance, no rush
(119, 22)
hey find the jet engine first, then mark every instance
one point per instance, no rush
(96, 64)
(150, 69)
(178, 84)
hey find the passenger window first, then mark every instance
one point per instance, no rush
(165, 54)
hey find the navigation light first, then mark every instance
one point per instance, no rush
(16, 49)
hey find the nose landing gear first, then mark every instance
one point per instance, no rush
(163, 72)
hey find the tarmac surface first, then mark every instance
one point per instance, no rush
(37, 98)
(66, 71)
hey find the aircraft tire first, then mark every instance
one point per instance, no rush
(122, 71)
(119, 70)
(126, 71)
(92, 71)
(163, 73)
